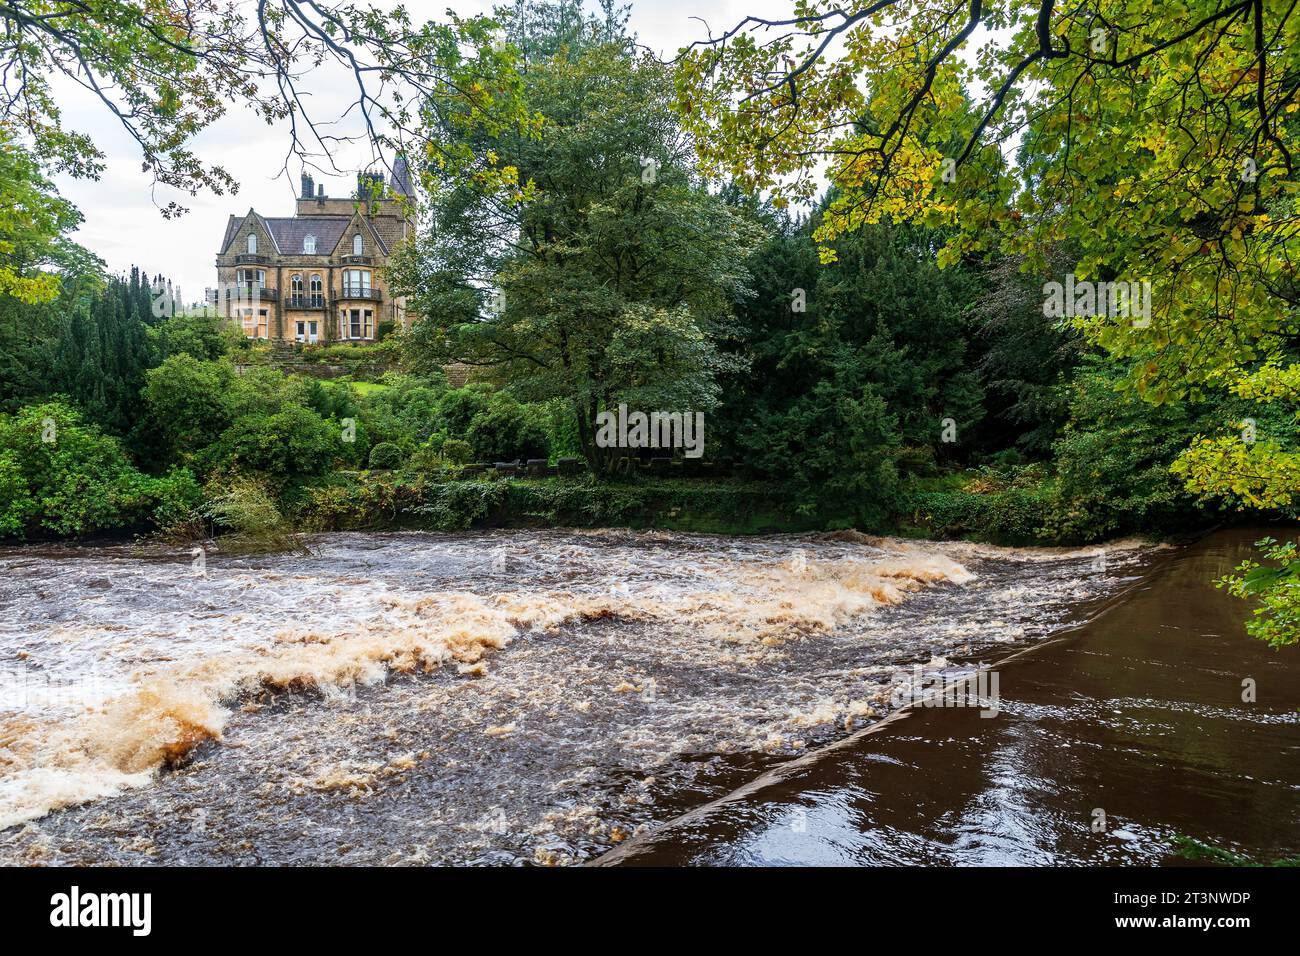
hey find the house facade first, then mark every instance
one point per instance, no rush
(316, 276)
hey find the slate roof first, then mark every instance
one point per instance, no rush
(400, 181)
(287, 233)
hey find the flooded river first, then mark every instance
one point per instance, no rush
(1156, 733)
(494, 698)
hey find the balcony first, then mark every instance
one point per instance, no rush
(356, 292)
(305, 302)
(251, 258)
(246, 293)
(358, 260)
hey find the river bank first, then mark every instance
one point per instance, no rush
(1157, 733)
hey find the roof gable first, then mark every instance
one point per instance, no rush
(235, 224)
(359, 223)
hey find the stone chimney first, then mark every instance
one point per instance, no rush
(306, 185)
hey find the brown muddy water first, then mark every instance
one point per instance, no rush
(1116, 744)
(515, 697)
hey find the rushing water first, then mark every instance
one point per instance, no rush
(1155, 733)
(492, 698)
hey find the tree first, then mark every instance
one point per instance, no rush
(188, 403)
(1026, 359)
(1156, 139)
(611, 275)
(34, 223)
(166, 69)
(199, 334)
(850, 362)
(291, 444)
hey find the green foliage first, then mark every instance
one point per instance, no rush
(629, 269)
(1012, 516)
(505, 430)
(245, 510)
(286, 446)
(1113, 461)
(34, 223)
(1200, 852)
(187, 403)
(60, 475)
(1276, 588)
(385, 456)
(355, 354)
(1025, 360)
(850, 362)
(459, 406)
(404, 412)
(164, 70)
(457, 452)
(377, 500)
(197, 334)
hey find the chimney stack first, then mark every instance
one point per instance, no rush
(306, 185)
(320, 193)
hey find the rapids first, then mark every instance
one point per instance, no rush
(505, 697)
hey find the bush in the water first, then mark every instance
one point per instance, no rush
(246, 515)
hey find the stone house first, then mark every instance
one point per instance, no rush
(317, 276)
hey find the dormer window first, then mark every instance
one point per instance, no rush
(358, 247)
(252, 243)
(309, 245)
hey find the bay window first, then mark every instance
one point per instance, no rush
(356, 282)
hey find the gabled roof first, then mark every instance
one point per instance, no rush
(288, 233)
(234, 222)
(370, 231)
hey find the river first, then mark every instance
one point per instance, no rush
(486, 698)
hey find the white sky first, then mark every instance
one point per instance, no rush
(122, 222)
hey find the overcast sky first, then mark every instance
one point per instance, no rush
(122, 223)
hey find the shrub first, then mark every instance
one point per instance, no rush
(507, 430)
(385, 456)
(188, 403)
(290, 444)
(457, 452)
(1015, 515)
(1113, 462)
(61, 475)
(199, 335)
(246, 514)
(459, 406)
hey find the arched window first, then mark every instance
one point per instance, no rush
(358, 247)
(252, 243)
(295, 285)
(317, 292)
(309, 245)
